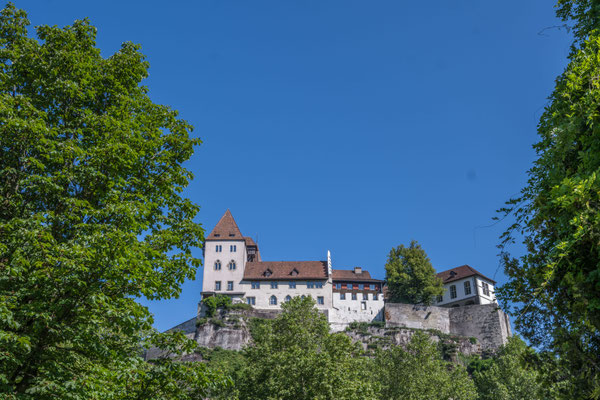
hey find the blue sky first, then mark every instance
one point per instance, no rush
(350, 126)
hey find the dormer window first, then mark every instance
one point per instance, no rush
(232, 235)
(267, 273)
(217, 235)
(294, 272)
(452, 274)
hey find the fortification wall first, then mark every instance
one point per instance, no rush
(399, 315)
(486, 322)
(341, 318)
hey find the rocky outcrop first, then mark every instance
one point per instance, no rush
(373, 336)
(468, 330)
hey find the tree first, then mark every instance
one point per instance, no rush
(295, 357)
(91, 213)
(419, 372)
(410, 277)
(554, 287)
(509, 377)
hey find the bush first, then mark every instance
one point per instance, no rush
(240, 306)
(473, 340)
(219, 323)
(377, 324)
(201, 321)
(214, 302)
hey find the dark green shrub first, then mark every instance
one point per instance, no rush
(240, 306)
(214, 302)
(219, 323)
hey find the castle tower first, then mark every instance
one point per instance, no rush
(225, 256)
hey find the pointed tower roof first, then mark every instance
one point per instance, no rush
(226, 229)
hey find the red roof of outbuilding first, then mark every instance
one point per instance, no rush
(464, 271)
(350, 275)
(288, 270)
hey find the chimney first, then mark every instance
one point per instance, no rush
(357, 270)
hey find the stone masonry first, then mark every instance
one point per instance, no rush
(487, 323)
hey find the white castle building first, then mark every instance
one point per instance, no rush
(233, 267)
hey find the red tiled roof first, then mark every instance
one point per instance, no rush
(226, 229)
(461, 272)
(349, 275)
(288, 270)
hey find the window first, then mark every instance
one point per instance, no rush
(310, 285)
(217, 265)
(273, 300)
(338, 286)
(486, 288)
(233, 248)
(218, 248)
(365, 296)
(288, 298)
(229, 285)
(363, 306)
(372, 286)
(218, 285)
(361, 286)
(273, 285)
(319, 285)
(251, 300)
(349, 286)
(453, 291)
(353, 296)
(320, 300)
(342, 296)
(292, 285)
(467, 287)
(231, 265)
(255, 285)
(375, 296)
(440, 299)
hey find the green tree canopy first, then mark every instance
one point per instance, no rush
(509, 376)
(555, 286)
(295, 357)
(410, 277)
(419, 372)
(91, 214)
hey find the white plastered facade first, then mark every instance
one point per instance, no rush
(212, 275)
(262, 295)
(478, 295)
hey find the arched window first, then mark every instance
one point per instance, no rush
(231, 264)
(288, 298)
(218, 265)
(273, 301)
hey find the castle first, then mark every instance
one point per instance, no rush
(233, 267)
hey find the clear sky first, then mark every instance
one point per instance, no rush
(350, 126)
